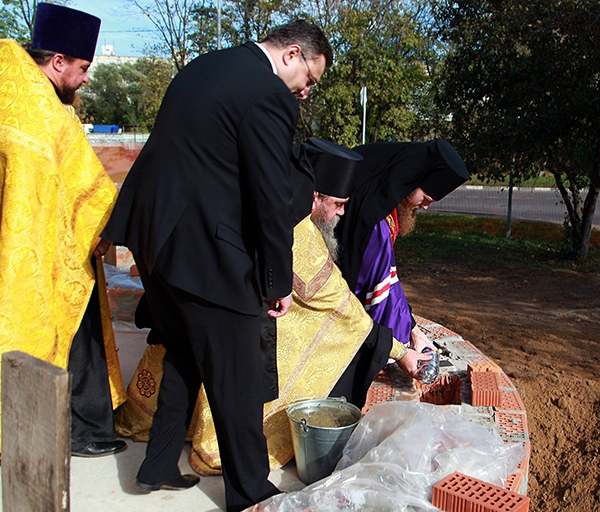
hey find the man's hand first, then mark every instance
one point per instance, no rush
(419, 340)
(102, 248)
(410, 362)
(279, 307)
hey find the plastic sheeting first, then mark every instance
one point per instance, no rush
(121, 278)
(397, 453)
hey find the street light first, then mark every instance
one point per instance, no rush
(363, 102)
(218, 24)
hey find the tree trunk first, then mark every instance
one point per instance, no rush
(587, 220)
(573, 225)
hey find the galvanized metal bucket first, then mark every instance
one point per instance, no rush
(320, 429)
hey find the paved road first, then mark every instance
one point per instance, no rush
(539, 204)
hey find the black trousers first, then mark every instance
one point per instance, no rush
(92, 416)
(220, 348)
(370, 359)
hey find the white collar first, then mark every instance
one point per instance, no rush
(268, 56)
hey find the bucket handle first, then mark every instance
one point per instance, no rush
(304, 426)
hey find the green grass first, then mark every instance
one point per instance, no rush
(538, 181)
(482, 242)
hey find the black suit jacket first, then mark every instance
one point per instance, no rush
(209, 196)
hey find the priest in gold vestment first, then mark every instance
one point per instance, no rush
(317, 340)
(55, 200)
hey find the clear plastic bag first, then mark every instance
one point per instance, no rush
(121, 278)
(397, 453)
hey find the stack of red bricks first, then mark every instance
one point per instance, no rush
(461, 493)
(123, 299)
(490, 389)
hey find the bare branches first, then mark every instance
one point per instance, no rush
(173, 24)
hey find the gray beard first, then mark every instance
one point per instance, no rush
(327, 231)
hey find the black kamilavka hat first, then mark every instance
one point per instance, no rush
(64, 30)
(333, 165)
(389, 172)
(321, 165)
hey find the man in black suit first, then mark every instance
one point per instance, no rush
(206, 211)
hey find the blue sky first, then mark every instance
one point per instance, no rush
(121, 26)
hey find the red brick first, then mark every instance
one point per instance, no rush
(444, 391)
(511, 423)
(461, 493)
(378, 393)
(485, 390)
(467, 345)
(505, 382)
(124, 258)
(486, 366)
(125, 316)
(514, 482)
(511, 401)
(116, 292)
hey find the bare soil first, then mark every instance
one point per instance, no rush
(543, 329)
(117, 160)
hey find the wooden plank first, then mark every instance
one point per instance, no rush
(110, 258)
(36, 435)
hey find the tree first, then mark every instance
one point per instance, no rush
(17, 18)
(156, 75)
(521, 84)
(187, 28)
(378, 44)
(21, 14)
(251, 20)
(10, 28)
(203, 35)
(127, 93)
(173, 22)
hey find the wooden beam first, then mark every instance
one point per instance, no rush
(36, 434)
(110, 258)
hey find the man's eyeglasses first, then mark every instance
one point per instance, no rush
(312, 80)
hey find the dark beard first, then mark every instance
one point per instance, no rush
(327, 231)
(66, 95)
(407, 217)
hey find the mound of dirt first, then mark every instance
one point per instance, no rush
(543, 329)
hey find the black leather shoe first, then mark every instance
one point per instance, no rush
(100, 448)
(176, 484)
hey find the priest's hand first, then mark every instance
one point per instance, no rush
(102, 248)
(279, 307)
(410, 362)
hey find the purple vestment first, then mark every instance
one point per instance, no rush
(378, 287)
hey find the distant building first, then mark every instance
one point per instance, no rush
(107, 50)
(108, 57)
